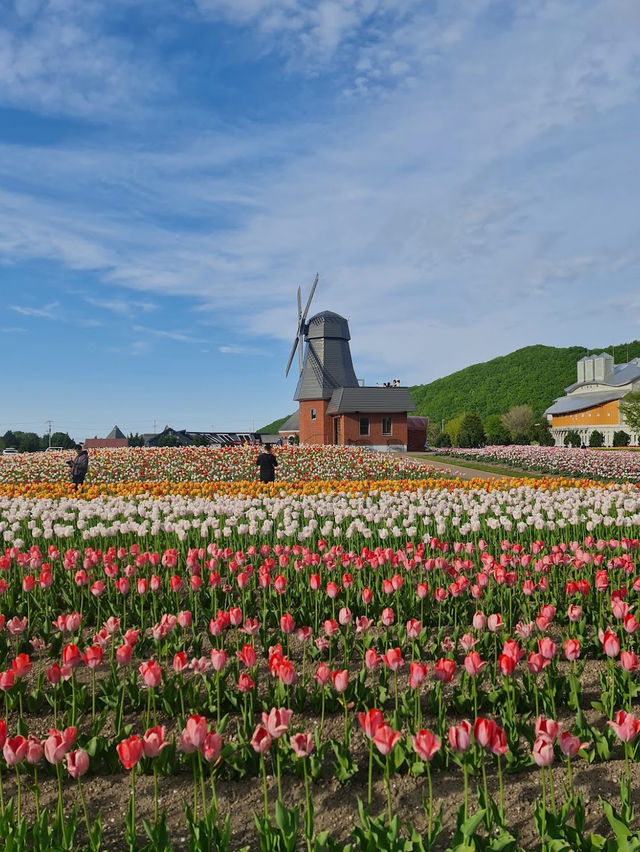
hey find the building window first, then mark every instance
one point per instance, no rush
(364, 426)
(386, 425)
(313, 414)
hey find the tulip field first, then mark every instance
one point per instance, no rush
(360, 656)
(608, 464)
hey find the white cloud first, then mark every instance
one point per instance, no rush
(179, 336)
(232, 349)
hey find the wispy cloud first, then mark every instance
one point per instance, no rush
(240, 350)
(179, 336)
(124, 307)
(46, 312)
(14, 329)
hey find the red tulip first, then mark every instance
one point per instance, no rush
(570, 745)
(547, 647)
(21, 665)
(323, 674)
(287, 624)
(498, 743)
(507, 665)
(123, 654)
(218, 659)
(93, 656)
(393, 659)
(130, 751)
(3, 732)
(370, 722)
(629, 661)
(34, 750)
(417, 673)
(247, 656)
(58, 743)
(572, 649)
(484, 731)
(444, 670)
(548, 728)
(245, 683)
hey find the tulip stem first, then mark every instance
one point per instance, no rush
(84, 807)
(155, 793)
(19, 788)
(570, 775)
(387, 783)
(264, 787)
(466, 788)
(430, 812)
(501, 788)
(308, 815)
(1, 793)
(370, 774)
(552, 791)
(36, 791)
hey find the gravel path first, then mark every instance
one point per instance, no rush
(463, 472)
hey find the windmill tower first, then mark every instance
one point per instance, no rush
(324, 361)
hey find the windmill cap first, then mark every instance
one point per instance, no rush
(328, 324)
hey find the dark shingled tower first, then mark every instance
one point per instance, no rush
(327, 361)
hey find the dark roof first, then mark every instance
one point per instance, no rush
(370, 400)
(327, 324)
(327, 366)
(621, 374)
(116, 432)
(292, 423)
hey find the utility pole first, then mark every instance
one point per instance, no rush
(154, 427)
(49, 422)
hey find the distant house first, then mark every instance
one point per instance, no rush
(115, 438)
(290, 429)
(416, 433)
(188, 437)
(592, 402)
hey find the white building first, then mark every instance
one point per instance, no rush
(591, 403)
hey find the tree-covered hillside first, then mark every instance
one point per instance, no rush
(535, 375)
(272, 428)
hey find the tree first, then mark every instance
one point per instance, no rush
(521, 439)
(27, 442)
(572, 439)
(9, 439)
(61, 439)
(496, 431)
(471, 432)
(519, 418)
(168, 440)
(621, 439)
(541, 434)
(199, 441)
(452, 428)
(442, 440)
(596, 439)
(135, 440)
(630, 411)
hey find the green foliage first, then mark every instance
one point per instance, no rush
(167, 440)
(442, 439)
(534, 375)
(61, 439)
(540, 434)
(521, 439)
(471, 432)
(495, 430)
(572, 439)
(199, 441)
(630, 410)
(452, 428)
(621, 438)
(273, 428)
(596, 439)
(135, 440)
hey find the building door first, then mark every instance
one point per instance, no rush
(336, 430)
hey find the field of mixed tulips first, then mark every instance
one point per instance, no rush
(396, 664)
(608, 464)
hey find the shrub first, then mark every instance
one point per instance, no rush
(471, 432)
(521, 438)
(442, 440)
(596, 439)
(572, 439)
(621, 438)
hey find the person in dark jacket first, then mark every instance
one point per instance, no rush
(79, 466)
(267, 463)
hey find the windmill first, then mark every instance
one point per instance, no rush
(297, 343)
(324, 357)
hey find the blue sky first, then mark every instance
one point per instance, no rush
(462, 174)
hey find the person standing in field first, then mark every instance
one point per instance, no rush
(79, 466)
(267, 463)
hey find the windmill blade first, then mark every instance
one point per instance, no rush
(299, 308)
(313, 290)
(293, 352)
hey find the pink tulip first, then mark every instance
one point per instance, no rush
(474, 664)
(543, 752)
(153, 741)
(426, 745)
(570, 745)
(340, 680)
(460, 736)
(261, 739)
(370, 722)
(276, 721)
(385, 739)
(77, 763)
(626, 726)
(484, 731)
(151, 672)
(302, 744)
(211, 746)
(192, 737)
(15, 750)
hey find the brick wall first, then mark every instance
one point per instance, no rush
(350, 429)
(320, 430)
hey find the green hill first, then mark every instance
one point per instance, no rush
(272, 428)
(534, 375)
